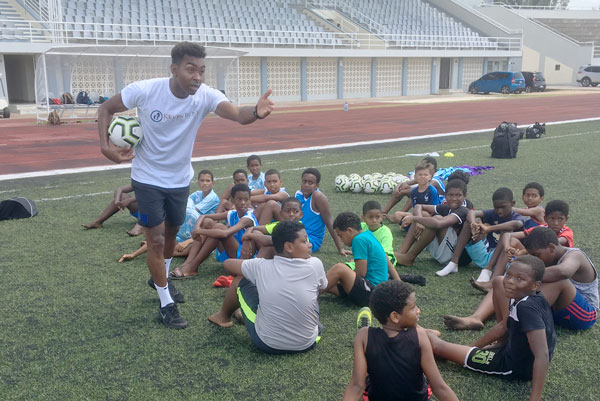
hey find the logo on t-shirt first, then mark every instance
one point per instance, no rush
(156, 116)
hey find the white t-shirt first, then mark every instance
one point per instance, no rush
(286, 318)
(163, 157)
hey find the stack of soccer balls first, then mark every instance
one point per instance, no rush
(369, 183)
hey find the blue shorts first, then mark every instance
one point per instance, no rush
(136, 214)
(248, 298)
(315, 242)
(579, 315)
(480, 253)
(223, 256)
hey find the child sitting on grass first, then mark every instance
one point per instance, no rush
(393, 362)
(209, 234)
(441, 229)
(371, 263)
(256, 180)
(240, 176)
(423, 194)
(523, 341)
(286, 289)
(267, 201)
(259, 237)
(121, 201)
(485, 234)
(316, 210)
(533, 194)
(512, 244)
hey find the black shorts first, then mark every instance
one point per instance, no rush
(491, 361)
(156, 204)
(360, 294)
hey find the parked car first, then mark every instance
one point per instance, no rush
(589, 75)
(499, 81)
(534, 81)
(4, 111)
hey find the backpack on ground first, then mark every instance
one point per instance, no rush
(54, 118)
(17, 208)
(506, 141)
(535, 131)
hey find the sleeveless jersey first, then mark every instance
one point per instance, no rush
(394, 366)
(588, 290)
(233, 218)
(313, 222)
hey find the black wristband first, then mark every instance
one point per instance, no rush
(255, 112)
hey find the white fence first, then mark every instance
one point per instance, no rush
(105, 34)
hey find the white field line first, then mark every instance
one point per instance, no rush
(344, 163)
(270, 152)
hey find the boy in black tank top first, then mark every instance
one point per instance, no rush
(398, 356)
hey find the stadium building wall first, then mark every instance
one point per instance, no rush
(555, 55)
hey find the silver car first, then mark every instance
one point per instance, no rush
(589, 75)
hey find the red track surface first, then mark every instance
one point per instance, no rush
(27, 147)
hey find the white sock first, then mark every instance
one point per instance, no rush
(168, 265)
(165, 296)
(451, 267)
(484, 276)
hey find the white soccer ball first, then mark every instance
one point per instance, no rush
(356, 185)
(342, 183)
(354, 177)
(371, 186)
(125, 132)
(366, 177)
(387, 185)
(401, 178)
(377, 175)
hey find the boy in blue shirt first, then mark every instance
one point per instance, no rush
(371, 263)
(256, 180)
(423, 194)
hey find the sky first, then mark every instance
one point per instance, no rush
(584, 4)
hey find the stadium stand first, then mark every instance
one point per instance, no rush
(582, 30)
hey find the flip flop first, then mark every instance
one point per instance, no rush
(178, 275)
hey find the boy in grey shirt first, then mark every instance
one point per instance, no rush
(287, 318)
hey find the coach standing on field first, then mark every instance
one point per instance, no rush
(170, 111)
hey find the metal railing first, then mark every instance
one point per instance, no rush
(107, 34)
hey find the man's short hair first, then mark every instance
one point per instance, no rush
(503, 194)
(371, 205)
(387, 297)
(273, 171)
(239, 188)
(291, 199)
(212, 177)
(540, 238)
(314, 172)
(253, 157)
(346, 220)
(534, 185)
(285, 231)
(537, 265)
(182, 49)
(557, 206)
(240, 171)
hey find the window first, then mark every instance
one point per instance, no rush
(557, 67)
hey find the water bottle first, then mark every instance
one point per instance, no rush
(345, 106)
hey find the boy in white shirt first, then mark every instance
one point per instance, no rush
(171, 111)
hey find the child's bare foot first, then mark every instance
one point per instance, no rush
(462, 323)
(92, 225)
(237, 315)
(404, 259)
(483, 287)
(220, 320)
(135, 231)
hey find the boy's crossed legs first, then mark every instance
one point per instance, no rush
(345, 283)
(201, 250)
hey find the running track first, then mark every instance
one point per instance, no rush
(26, 147)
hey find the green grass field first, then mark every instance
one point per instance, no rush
(77, 325)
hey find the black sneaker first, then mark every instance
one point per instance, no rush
(169, 315)
(414, 279)
(175, 294)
